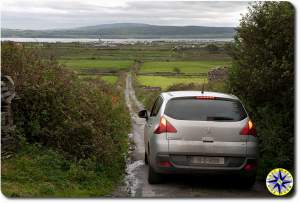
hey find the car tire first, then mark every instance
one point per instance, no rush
(248, 181)
(153, 177)
(146, 158)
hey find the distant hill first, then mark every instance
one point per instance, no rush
(125, 30)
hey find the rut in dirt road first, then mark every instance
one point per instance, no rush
(136, 184)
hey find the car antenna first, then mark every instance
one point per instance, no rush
(202, 91)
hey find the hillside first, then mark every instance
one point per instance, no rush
(126, 30)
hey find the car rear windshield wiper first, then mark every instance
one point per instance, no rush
(219, 118)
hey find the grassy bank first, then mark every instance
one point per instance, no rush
(38, 171)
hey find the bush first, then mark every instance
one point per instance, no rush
(212, 48)
(176, 70)
(263, 77)
(55, 108)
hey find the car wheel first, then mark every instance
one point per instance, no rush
(248, 181)
(153, 177)
(146, 158)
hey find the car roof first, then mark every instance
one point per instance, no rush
(176, 94)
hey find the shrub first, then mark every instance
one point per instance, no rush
(83, 120)
(212, 48)
(176, 70)
(263, 77)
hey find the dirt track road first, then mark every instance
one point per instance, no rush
(136, 185)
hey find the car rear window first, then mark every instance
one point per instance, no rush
(205, 109)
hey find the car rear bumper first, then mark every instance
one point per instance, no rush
(232, 165)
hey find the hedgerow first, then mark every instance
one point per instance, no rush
(263, 77)
(82, 120)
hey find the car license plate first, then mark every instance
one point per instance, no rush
(207, 160)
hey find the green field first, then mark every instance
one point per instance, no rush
(146, 52)
(164, 82)
(183, 66)
(110, 79)
(97, 64)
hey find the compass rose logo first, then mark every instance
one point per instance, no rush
(279, 182)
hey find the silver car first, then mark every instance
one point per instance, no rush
(199, 132)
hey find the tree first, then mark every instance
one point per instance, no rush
(212, 48)
(263, 77)
(176, 70)
(228, 47)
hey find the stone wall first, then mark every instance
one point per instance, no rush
(217, 74)
(8, 137)
(151, 88)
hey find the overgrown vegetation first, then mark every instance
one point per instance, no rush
(80, 125)
(37, 171)
(263, 77)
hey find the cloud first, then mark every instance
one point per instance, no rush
(48, 14)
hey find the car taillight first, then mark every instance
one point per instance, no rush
(165, 126)
(249, 167)
(205, 97)
(249, 129)
(165, 164)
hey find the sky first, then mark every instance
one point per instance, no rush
(52, 14)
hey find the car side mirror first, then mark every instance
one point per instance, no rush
(143, 114)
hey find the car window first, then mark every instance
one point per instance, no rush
(156, 107)
(205, 110)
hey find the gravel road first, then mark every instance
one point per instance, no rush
(135, 182)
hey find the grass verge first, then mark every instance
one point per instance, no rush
(41, 172)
